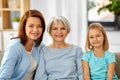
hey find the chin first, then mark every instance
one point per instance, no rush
(59, 40)
(34, 38)
(97, 46)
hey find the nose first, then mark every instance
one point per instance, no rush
(59, 30)
(95, 38)
(35, 28)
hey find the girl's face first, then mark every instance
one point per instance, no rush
(58, 31)
(96, 38)
(33, 28)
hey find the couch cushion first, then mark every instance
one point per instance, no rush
(117, 69)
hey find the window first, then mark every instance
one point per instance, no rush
(106, 18)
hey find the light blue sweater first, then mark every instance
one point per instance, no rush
(60, 64)
(16, 62)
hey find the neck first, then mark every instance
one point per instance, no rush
(59, 45)
(29, 45)
(98, 52)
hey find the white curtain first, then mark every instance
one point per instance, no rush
(74, 10)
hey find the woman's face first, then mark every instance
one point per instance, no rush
(96, 38)
(33, 28)
(58, 31)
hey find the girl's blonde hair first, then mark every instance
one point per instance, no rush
(97, 26)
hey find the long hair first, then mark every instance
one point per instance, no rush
(21, 31)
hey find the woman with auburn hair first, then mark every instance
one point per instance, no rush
(21, 56)
(98, 62)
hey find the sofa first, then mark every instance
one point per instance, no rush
(117, 69)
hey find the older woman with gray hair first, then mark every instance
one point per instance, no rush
(60, 60)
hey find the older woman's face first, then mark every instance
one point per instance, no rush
(33, 28)
(58, 31)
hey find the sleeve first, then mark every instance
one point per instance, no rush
(86, 56)
(8, 63)
(79, 63)
(111, 58)
(41, 69)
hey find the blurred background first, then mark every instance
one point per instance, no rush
(80, 14)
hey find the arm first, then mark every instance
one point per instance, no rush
(111, 69)
(8, 63)
(79, 64)
(41, 69)
(86, 71)
(111, 66)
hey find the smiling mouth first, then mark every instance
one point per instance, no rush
(35, 34)
(95, 42)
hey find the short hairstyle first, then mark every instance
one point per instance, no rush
(21, 31)
(58, 18)
(99, 27)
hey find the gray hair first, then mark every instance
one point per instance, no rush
(58, 18)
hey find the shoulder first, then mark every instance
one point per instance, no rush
(76, 47)
(45, 49)
(87, 55)
(14, 43)
(42, 45)
(14, 48)
(109, 54)
(78, 50)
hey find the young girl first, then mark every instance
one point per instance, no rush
(98, 62)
